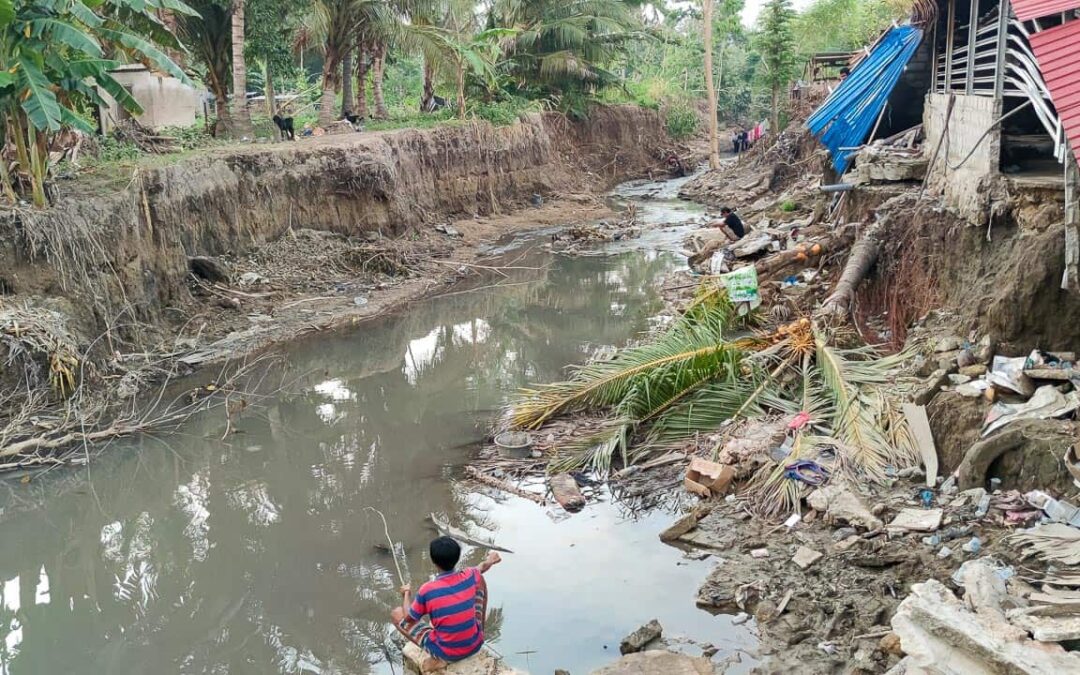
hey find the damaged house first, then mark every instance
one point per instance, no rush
(996, 86)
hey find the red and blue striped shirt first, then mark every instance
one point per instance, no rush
(450, 600)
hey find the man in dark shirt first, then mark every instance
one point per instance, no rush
(731, 224)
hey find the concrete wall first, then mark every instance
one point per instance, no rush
(166, 101)
(966, 188)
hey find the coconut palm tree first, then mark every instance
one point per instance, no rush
(241, 116)
(339, 22)
(565, 45)
(208, 35)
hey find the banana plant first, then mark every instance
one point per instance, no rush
(56, 57)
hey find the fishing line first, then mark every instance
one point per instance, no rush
(402, 578)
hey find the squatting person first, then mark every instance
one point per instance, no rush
(455, 603)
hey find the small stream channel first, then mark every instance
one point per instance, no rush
(189, 554)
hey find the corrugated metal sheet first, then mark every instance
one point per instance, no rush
(1059, 61)
(847, 117)
(1026, 10)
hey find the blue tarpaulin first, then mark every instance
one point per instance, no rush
(846, 118)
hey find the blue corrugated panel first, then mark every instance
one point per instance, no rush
(846, 118)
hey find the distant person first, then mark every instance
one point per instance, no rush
(744, 141)
(731, 224)
(456, 604)
(735, 142)
(844, 72)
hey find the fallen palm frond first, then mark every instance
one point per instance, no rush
(688, 380)
(660, 369)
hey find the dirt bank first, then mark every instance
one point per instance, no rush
(311, 234)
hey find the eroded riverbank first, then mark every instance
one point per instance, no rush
(245, 544)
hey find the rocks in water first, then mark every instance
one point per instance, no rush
(636, 641)
(208, 268)
(481, 663)
(657, 663)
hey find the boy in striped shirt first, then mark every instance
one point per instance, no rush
(455, 602)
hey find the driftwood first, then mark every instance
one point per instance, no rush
(490, 481)
(862, 257)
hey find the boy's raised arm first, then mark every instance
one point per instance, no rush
(492, 559)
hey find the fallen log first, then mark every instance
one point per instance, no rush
(493, 482)
(863, 256)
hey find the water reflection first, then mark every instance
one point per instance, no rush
(255, 554)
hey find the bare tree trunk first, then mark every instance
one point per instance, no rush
(461, 90)
(378, 66)
(361, 81)
(223, 125)
(775, 120)
(271, 96)
(241, 122)
(348, 105)
(862, 257)
(710, 88)
(329, 80)
(428, 94)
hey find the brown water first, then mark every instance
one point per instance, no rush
(257, 554)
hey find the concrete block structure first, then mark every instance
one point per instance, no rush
(165, 100)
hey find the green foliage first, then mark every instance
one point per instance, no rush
(843, 25)
(681, 122)
(503, 113)
(788, 206)
(52, 54)
(113, 149)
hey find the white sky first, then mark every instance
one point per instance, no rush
(753, 7)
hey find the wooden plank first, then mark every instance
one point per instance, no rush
(919, 425)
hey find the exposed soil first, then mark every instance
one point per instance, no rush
(312, 234)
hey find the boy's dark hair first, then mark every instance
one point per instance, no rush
(445, 553)
(845, 71)
(724, 210)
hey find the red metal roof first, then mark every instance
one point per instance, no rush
(1026, 10)
(1059, 62)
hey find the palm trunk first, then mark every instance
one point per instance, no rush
(862, 257)
(241, 122)
(461, 90)
(361, 81)
(347, 102)
(377, 67)
(428, 93)
(775, 118)
(271, 96)
(330, 73)
(710, 89)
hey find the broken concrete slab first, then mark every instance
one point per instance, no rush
(917, 520)
(919, 425)
(680, 527)
(1048, 628)
(636, 641)
(840, 503)
(805, 557)
(930, 387)
(940, 635)
(657, 663)
(481, 663)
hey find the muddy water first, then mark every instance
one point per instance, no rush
(258, 554)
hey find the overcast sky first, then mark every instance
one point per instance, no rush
(753, 7)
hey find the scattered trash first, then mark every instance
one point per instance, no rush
(740, 618)
(1047, 402)
(1008, 373)
(1055, 510)
(806, 471)
(759, 553)
(360, 301)
(972, 546)
(706, 478)
(636, 641)
(945, 552)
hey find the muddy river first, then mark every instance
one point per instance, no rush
(257, 553)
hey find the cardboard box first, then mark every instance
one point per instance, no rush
(708, 479)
